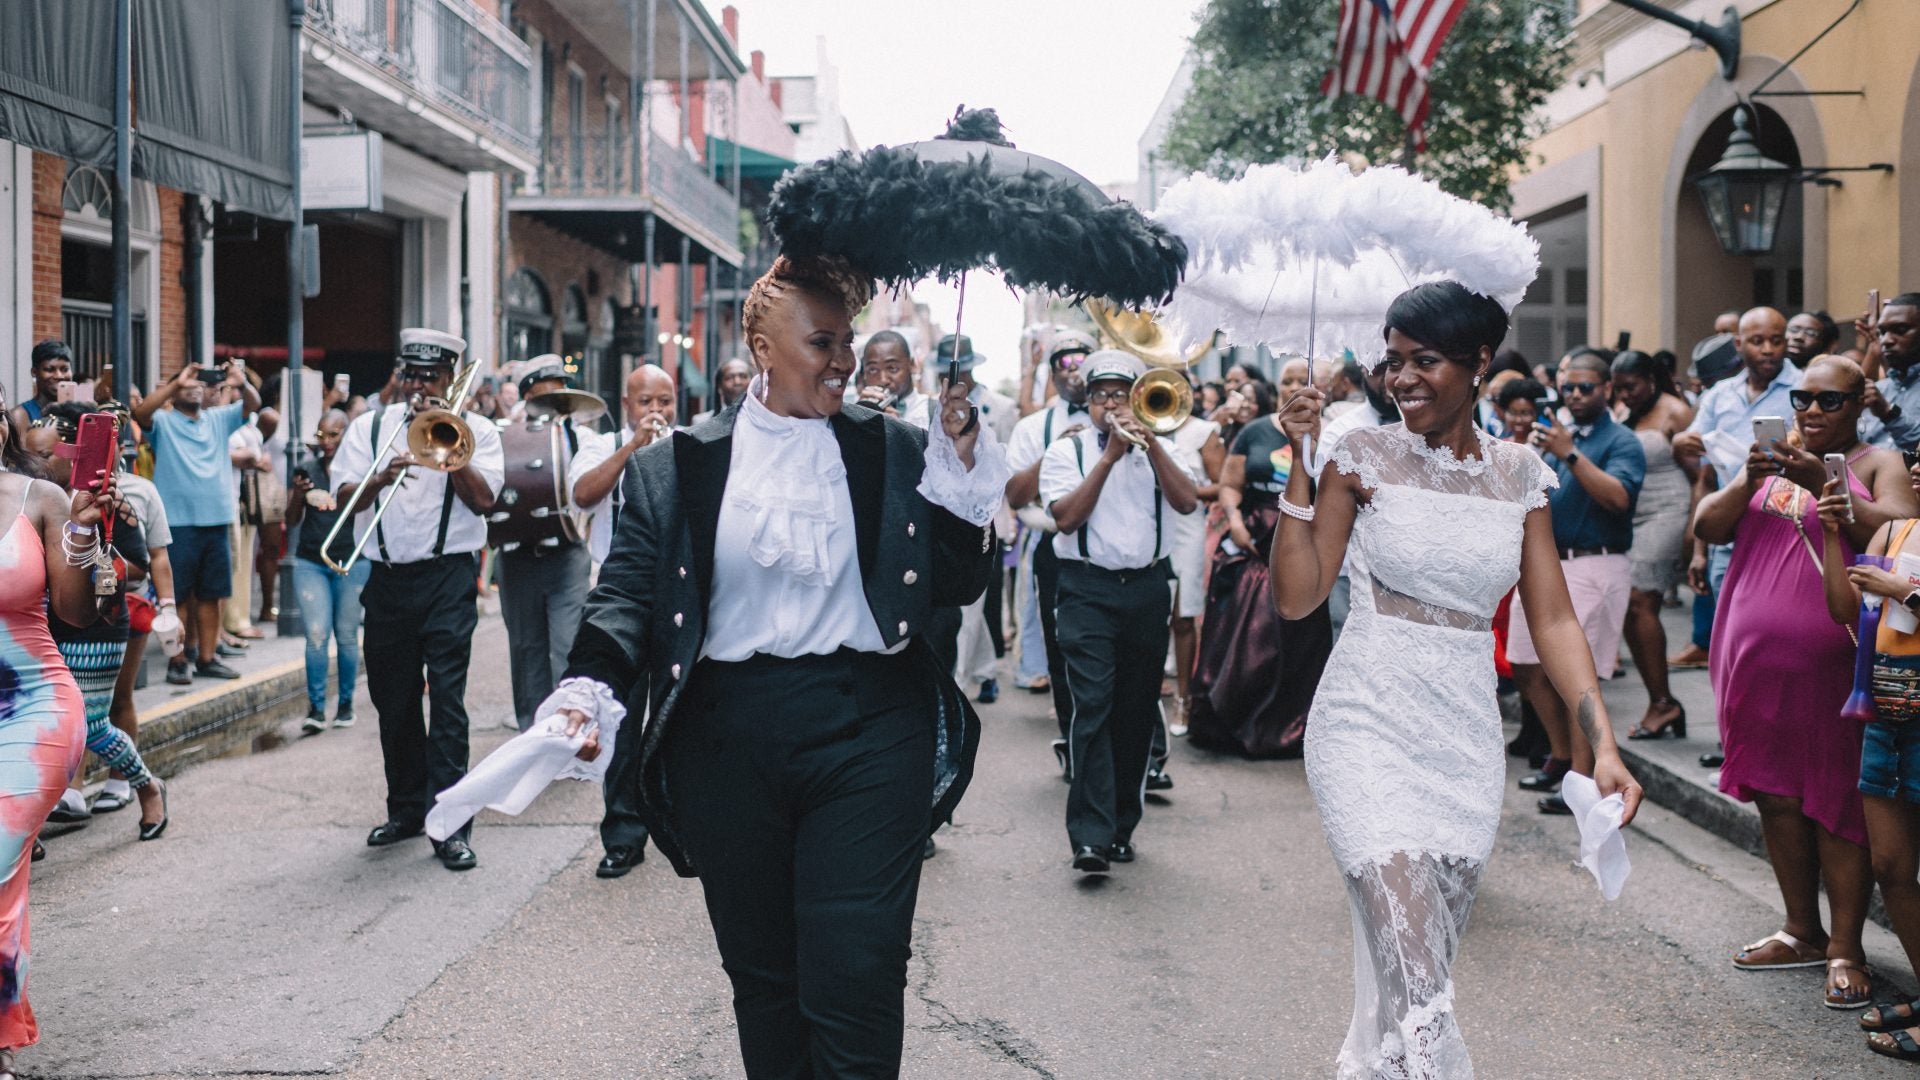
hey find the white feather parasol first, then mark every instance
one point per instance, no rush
(1257, 245)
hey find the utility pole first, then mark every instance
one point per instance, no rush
(122, 354)
(296, 237)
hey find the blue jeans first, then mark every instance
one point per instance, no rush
(1719, 557)
(330, 607)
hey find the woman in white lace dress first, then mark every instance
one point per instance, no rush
(1404, 747)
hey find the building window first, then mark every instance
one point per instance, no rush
(86, 271)
(529, 317)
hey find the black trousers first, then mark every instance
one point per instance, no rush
(801, 789)
(542, 593)
(419, 630)
(943, 637)
(1113, 633)
(1046, 584)
(621, 826)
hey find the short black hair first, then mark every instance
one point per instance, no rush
(50, 349)
(1829, 330)
(1266, 397)
(887, 337)
(1520, 389)
(1248, 368)
(1905, 299)
(1351, 371)
(1590, 358)
(1510, 360)
(1448, 317)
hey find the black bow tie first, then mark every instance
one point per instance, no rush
(1080, 408)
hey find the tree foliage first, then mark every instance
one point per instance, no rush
(1256, 93)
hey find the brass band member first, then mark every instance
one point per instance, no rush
(420, 596)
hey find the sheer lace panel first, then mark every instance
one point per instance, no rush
(1440, 535)
(1409, 912)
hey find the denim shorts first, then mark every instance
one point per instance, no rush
(1890, 761)
(202, 562)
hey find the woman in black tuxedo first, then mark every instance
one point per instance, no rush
(763, 605)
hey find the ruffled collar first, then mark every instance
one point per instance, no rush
(1442, 458)
(787, 490)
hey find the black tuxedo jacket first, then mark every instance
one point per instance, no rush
(646, 620)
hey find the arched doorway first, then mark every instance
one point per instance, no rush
(86, 271)
(1707, 279)
(529, 317)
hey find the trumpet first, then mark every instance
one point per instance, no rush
(437, 436)
(657, 426)
(1161, 400)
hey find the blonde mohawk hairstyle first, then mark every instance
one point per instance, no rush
(823, 275)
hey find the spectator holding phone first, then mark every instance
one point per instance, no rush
(329, 602)
(150, 610)
(192, 470)
(1782, 670)
(51, 365)
(1893, 403)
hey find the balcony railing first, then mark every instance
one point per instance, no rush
(458, 56)
(596, 165)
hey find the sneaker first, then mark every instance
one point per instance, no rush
(343, 718)
(214, 669)
(116, 795)
(71, 809)
(229, 651)
(1060, 755)
(177, 673)
(989, 691)
(316, 721)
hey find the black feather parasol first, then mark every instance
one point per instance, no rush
(971, 199)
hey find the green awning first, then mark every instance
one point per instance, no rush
(754, 164)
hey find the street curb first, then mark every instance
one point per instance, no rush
(219, 720)
(1735, 822)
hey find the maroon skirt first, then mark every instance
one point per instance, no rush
(1255, 673)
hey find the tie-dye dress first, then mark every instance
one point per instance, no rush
(42, 737)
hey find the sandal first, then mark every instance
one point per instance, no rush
(1895, 1044)
(1849, 985)
(1882, 1017)
(1746, 960)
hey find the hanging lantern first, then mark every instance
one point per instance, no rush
(1744, 193)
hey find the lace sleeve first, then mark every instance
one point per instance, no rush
(971, 494)
(1354, 455)
(1537, 480)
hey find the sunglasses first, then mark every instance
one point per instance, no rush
(1581, 388)
(1828, 400)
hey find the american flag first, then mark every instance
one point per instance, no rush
(1386, 50)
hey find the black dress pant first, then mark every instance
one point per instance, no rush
(621, 825)
(542, 593)
(1046, 584)
(801, 789)
(943, 637)
(1113, 633)
(419, 632)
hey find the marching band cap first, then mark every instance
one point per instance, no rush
(967, 359)
(430, 348)
(543, 368)
(1070, 341)
(1112, 364)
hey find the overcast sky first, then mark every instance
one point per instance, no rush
(1076, 80)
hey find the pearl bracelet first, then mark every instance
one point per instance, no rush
(1294, 511)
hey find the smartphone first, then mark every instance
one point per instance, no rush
(65, 390)
(342, 384)
(1837, 470)
(1873, 306)
(1768, 430)
(212, 374)
(93, 449)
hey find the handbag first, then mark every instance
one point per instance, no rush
(1896, 661)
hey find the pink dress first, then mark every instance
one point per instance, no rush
(43, 731)
(1782, 668)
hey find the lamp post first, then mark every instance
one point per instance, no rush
(1744, 193)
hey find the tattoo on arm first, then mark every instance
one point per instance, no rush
(1587, 715)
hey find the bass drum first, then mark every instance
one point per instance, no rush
(533, 507)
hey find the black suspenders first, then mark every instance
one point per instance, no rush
(1080, 459)
(446, 503)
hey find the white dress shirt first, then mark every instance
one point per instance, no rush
(1035, 430)
(1121, 531)
(786, 571)
(594, 450)
(413, 523)
(1190, 530)
(916, 409)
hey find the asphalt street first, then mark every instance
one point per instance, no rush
(262, 938)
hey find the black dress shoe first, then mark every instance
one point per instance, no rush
(1090, 860)
(1066, 763)
(1554, 804)
(989, 692)
(928, 851)
(214, 669)
(1120, 852)
(392, 833)
(1158, 780)
(454, 854)
(619, 860)
(1712, 759)
(1548, 778)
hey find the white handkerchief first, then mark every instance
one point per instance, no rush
(1603, 851)
(521, 768)
(1726, 453)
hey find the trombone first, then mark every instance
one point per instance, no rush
(438, 437)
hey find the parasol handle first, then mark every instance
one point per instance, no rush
(1313, 318)
(953, 365)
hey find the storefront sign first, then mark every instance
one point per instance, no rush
(341, 172)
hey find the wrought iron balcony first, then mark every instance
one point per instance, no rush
(448, 55)
(596, 173)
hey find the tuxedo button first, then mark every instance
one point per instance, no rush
(674, 671)
(903, 629)
(910, 528)
(683, 571)
(910, 577)
(679, 619)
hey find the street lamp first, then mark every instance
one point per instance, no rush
(1744, 193)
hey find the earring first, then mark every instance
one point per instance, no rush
(1476, 380)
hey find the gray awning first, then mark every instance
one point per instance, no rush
(210, 91)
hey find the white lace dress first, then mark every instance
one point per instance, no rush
(1404, 749)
